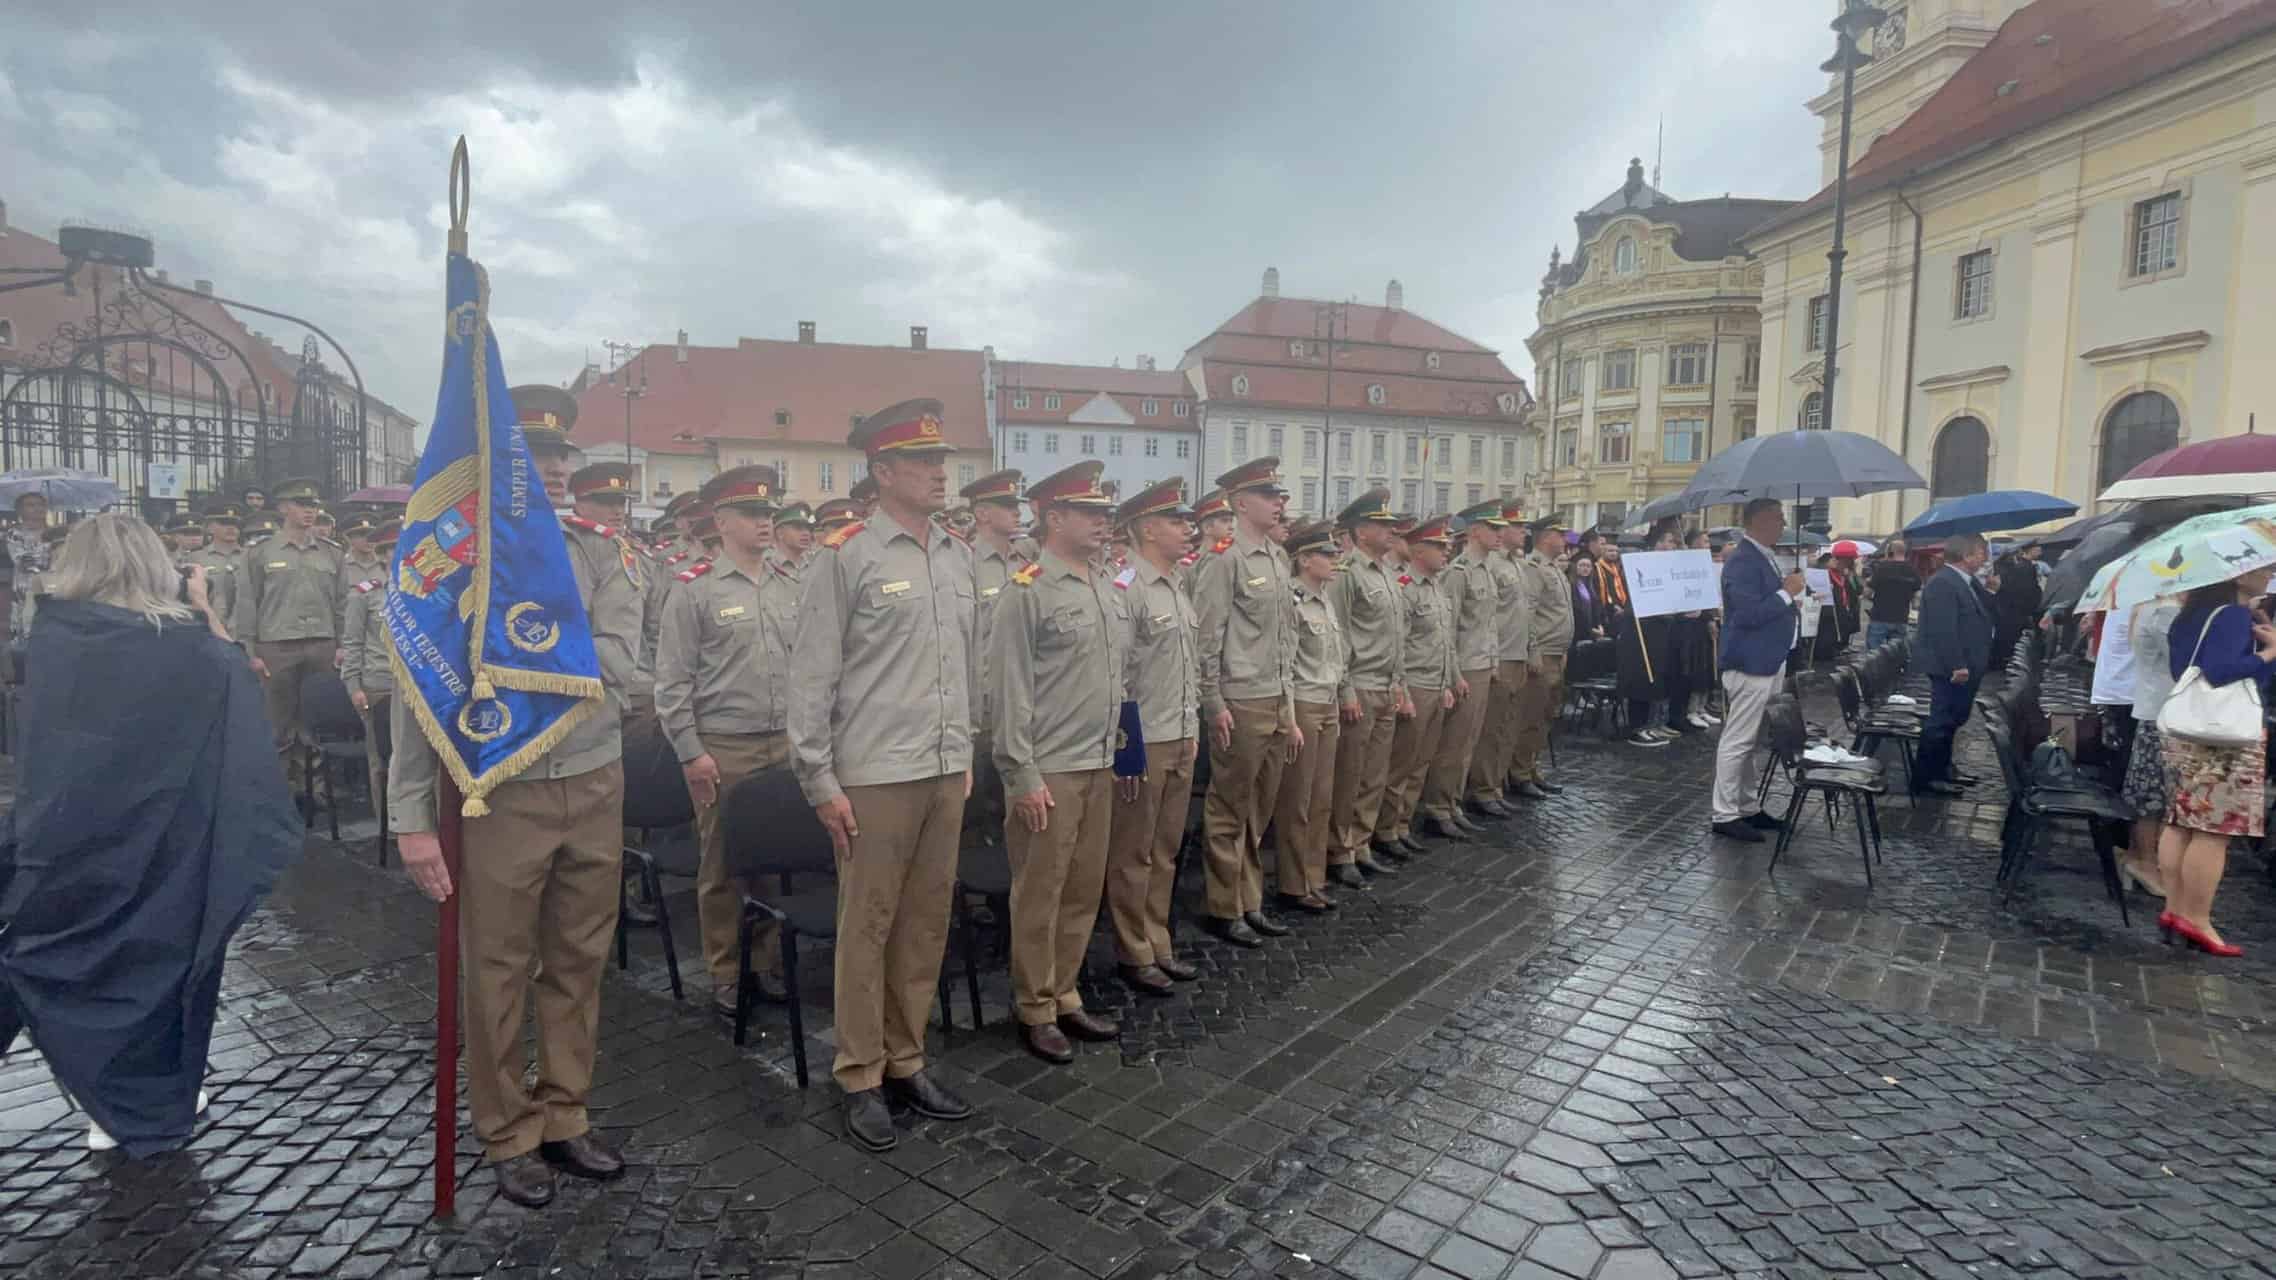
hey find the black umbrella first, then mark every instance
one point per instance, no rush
(2103, 538)
(1800, 465)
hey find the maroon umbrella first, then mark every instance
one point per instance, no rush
(2243, 464)
(399, 494)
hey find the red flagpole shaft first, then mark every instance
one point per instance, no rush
(446, 1008)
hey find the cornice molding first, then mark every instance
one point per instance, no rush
(2139, 348)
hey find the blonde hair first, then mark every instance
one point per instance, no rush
(116, 559)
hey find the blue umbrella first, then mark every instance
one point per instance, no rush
(1987, 512)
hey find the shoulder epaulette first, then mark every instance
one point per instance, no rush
(1191, 558)
(1027, 574)
(838, 536)
(671, 560)
(1223, 545)
(783, 567)
(590, 526)
(697, 570)
(373, 585)
(1406, 580)
(1123, 579)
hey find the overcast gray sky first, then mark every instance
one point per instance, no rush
(1067, 181)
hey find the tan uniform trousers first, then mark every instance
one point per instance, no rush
(1457, 743)
(1362, 765)
(893, 902)
(1242, 782)
(1537, 708)
(718, 894)
(1142, 854)
(1489, 768)
(1058, 875)
(1307, 789)
(290, 661)
(538, 887)
(375, 718)
(1414, 745)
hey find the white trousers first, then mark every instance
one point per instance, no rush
(1744, 698)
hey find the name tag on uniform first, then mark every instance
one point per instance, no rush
(277, 564)
(893, 588)
(1160, 619)
(989, 592)
(1256, 582)
(731, 611)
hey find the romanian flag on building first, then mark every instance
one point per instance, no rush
(492, 646)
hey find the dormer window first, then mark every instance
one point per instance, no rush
(1240, 384)
(1624, 256)
(1430, 361)
(1506, 402)
(1298, 349)
(1375, 393)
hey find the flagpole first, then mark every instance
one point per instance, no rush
(446, 1007)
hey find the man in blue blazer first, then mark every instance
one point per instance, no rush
(1759, 629)
(1952, 650)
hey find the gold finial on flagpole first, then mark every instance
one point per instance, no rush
(461, 190)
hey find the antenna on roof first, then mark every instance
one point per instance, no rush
(1659, 149)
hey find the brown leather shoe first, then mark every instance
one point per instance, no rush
(1085, 1025)
(583, 1156)
(1047, 1042)
(525, 1180)
(1178, 970)
(1145, 979)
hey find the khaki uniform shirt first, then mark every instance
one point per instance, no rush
(288, 591)
(222, 568)
(1059, 672)
(364, 640)
(1551, 596)
(1428, 656)
(1166, 657)
(1366, 598)
(1475, 599)
(1510, 613)
(778, 592)
(1322, 664)
(722, 659)
(881, 663)
(1247, 644)
(992, 571)
(615, 596)
(355, 570)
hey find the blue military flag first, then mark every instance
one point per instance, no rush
(492, 646)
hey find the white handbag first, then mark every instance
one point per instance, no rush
(2227, 715)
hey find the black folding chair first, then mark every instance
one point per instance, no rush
(772, 831)
(336, 735)
(656, 806)
(1788, 737)
(2033, 810)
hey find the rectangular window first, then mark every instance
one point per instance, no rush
(1311, 494)
(1613, 442)
(1414, 450)
(1611, 515)
(1569, 447)
(1150, 407)
(822, 472)
(2157, 235)
(1569, 375)
(1279, 437)
(663, 486)
(1240, 442)
(1343, 492)
(1971, 294)
(1619, 371)
(1442, 452)
(1114, 446)
(1687, 364)
(1750, 368)
(1051, 401)
(1683, 440)
(1743, 429)
(1185, 448)
(1409, 492)
(1090, 447)
(1472, 495)
(964, 475)
(1019, 400)
(1181, 409)
(782, 417)
(1816, 338)
(1051, 442)
(1311, 446)
(1153, 446)
(1343, 448)
(1509, 455)
(1477, 453)
(1380, 450)
(1019, 442)
(1445, 496)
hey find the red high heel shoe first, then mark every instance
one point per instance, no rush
(2165, 926)
(2203, 941)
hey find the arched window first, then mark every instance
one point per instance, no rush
(1963, 460)
(1813, 414)
(2139, 427)
(1624, 255)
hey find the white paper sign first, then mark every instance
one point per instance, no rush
(167, 479)
(1661, 582)
(1819, 582)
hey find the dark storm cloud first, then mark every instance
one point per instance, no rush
(1078, 182)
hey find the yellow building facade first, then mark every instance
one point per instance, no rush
(1648, 353)
(2058, 264)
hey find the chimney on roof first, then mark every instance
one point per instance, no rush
(1395, 296)
(1272, 282)
(205, 287)
(806, 331)
(681, 356)
(916, 337)
(1146, 363)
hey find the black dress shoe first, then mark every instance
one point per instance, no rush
(1530, 790)
(1948, 790)
(1761, 821)
(1964, 779)
(1048, 1042)
(1373, 868)
(1461, 822)
(1491, 808)
(1178, 970)
(1444, 829)
(1553, 788)
(1236, 932)
(868, 1121)
(1382, 849)
(1085, 1025)
(526, 1180)
(1309, 904)
(1347, 875)
(1265, 925)
(583, 1156)
(928, 1097)
(1414, 848)
(1145, 979)
(1738, 829)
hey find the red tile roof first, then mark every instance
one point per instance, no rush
(1091, 377)
(1077, 385)
(1286, 318)
(1275, 386)
(1374, 346)
(2058, 56)
(736, 393)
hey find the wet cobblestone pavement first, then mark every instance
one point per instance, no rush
(1596, 1044)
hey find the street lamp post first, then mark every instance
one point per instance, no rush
(631, 391)
(1857, 19)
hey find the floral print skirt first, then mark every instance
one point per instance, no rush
(2148, 789)
(2217, 789)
